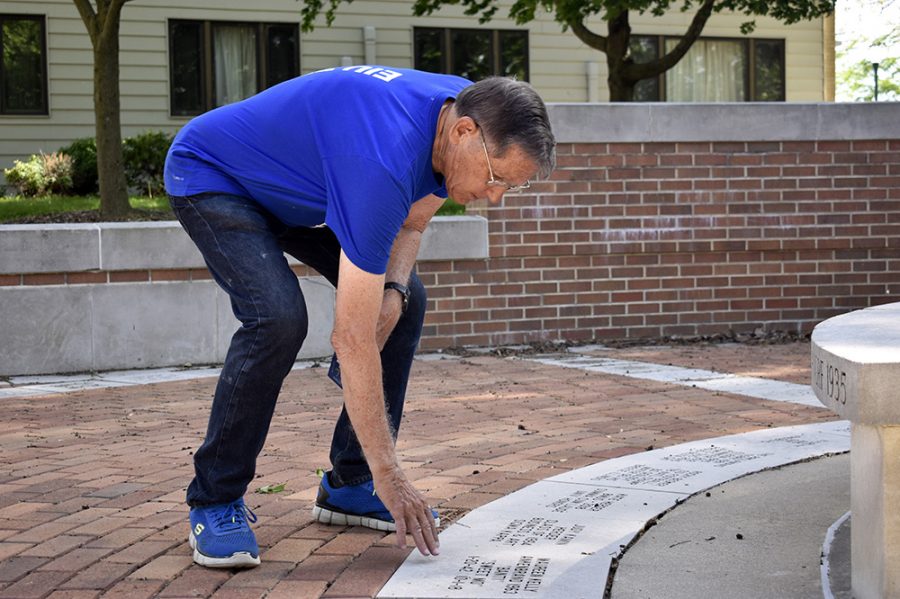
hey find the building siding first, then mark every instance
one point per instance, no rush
(557, 60)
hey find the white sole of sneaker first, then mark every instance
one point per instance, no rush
(241, 559)
(326, 516)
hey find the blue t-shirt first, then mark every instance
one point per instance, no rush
(348, 147)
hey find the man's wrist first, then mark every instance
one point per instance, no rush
(403, 290)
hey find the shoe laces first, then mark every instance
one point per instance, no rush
(233, 516)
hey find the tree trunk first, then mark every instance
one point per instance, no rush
(113, 188)
(621, 87)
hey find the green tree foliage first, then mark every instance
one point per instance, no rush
(856, 76)
(624, 71)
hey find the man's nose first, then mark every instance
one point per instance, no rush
(495, 194)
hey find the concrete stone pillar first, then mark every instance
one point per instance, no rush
(856, 373)
(875, 496)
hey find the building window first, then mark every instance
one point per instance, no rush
(212, 64)
(23, 69)
(472, 53)
(713, 70)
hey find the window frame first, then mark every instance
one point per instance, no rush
(44, 110)
(749, 44)
(207, 69)
(447, 47)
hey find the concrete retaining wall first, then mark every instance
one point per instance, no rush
(133, 295)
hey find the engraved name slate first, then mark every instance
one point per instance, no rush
(641, 475)
(716, 456)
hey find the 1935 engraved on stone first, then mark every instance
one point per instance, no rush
(829, 379)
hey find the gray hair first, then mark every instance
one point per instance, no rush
(511, 113)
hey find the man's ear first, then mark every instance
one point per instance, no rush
(462, 128)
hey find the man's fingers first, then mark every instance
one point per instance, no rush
(419, 538)
(401, 533)
(429, 533)
(424, 532)
(434, 532)
(423, 536)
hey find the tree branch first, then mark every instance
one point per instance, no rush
(598, 42)
(113, 13)
(668, 61)
(86, 10)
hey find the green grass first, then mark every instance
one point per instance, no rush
(20, 207)
(450, 208)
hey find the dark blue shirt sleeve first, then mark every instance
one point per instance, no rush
(367, 206)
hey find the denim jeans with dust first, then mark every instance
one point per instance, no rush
(244, 248)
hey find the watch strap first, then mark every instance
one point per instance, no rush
(402, 289)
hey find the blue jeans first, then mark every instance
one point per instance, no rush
(244, 246)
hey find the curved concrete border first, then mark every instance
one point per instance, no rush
(559, 537)
(826, 555)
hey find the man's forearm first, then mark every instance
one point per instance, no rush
(403, 255)
(364, 399)
(400, 265)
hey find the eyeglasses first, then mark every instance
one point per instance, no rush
(496, 182)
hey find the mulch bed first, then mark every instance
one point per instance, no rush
(89, 216)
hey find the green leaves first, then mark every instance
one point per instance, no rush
(573, 14)
(523, 11)
(269, 489)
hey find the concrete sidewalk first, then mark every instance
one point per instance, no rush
(92, 482)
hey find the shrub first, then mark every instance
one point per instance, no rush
(27, 177)
(145, 156)
(84, 165)
(57, 172)
(42, 174)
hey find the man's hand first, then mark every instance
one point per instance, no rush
(411, 512)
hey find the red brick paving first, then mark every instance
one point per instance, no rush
(92, 482)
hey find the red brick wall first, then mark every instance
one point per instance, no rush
(655, 239)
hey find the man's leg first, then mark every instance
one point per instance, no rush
(320, 249)
(237, 241)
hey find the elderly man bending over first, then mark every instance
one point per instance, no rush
(342, 169)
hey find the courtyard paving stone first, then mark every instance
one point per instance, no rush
(91, 481)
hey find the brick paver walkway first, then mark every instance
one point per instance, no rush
(92, 482)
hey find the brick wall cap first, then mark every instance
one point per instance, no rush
(716, 122)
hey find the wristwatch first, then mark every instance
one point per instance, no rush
(404, 293)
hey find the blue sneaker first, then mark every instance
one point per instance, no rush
(221, 536)
(355, 505)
